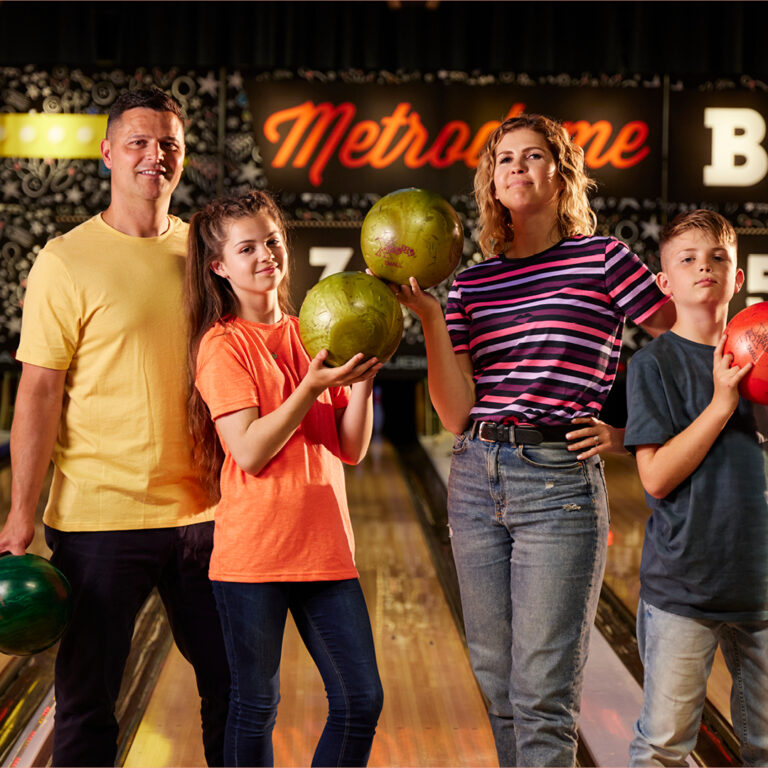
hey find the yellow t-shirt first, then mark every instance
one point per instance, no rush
(107, 308)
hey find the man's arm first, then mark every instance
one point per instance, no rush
(36, 417)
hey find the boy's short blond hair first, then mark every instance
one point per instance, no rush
(703, 220)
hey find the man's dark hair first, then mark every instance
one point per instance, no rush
(146, 98)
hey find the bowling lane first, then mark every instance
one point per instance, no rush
(25, 681)
(433, 711)
(629, 515)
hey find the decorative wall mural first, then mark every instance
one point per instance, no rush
(44, 197)
(41, 198)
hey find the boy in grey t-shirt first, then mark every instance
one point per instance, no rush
(704, 571)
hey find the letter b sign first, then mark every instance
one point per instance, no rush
(738, 157)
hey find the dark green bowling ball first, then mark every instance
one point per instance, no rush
(35, 604)
(350, 312)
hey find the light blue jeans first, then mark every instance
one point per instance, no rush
(529, 526)
(677, 653)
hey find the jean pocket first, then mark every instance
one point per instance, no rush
(460, 443)
(548, 458)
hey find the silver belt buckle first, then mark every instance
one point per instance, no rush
(483, 429)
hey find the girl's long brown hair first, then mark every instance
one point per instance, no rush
(208, 299)
(574, 214)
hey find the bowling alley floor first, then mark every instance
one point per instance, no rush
(433, 713)
(629, 515)
(613, 684)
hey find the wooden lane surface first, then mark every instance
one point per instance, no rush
(433, 712)
(629, 514)
(26, 681)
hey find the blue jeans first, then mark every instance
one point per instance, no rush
(332, 619)
(529, 527)
(677, 653)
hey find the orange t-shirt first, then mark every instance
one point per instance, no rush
(291, 521)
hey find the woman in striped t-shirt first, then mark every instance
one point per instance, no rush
(519, 369)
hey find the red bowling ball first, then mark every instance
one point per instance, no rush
(748, 343)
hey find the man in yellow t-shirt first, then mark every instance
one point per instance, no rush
(103, 392)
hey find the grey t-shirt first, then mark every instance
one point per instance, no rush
(705, 553)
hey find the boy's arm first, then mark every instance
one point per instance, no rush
(663, 467)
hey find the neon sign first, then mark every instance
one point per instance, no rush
(311, 134)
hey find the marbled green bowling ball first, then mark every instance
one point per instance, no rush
(35, 604)
(350, 312)
(412, 233)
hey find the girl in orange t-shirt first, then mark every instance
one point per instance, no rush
(272, 428)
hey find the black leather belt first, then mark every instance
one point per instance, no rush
(496, 432)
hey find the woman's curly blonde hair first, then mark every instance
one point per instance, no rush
(495, 232)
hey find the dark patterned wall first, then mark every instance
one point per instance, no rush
(40, 199)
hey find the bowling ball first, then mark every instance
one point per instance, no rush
(35, 604)
(748, 343)
(350, 312)
(412, 233)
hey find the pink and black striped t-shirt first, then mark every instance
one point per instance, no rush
(544, 332)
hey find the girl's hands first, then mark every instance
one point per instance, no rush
(726, 377)
(597, 437)
(320, 376)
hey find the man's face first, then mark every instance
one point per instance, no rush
(144, 150)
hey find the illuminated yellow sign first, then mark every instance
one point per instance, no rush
(51, 135)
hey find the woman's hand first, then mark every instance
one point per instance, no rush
(596, 437)
(414, 298)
